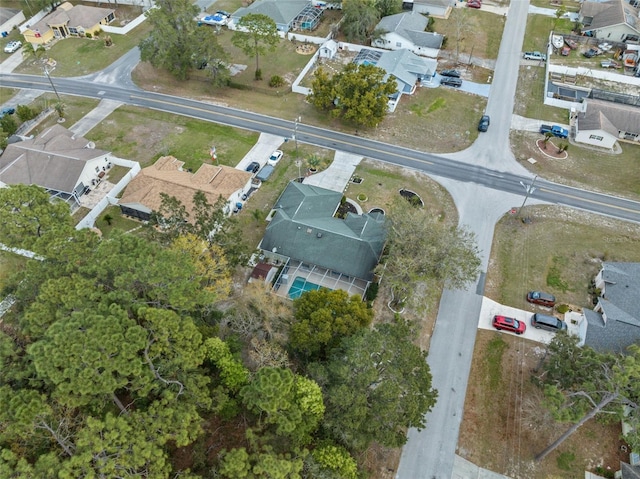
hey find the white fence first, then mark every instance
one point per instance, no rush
(111, 197)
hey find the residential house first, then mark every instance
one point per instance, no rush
(614, 324)
(408, 69)
(63, 163)
(604, 122)
(287, 14)
(408, 31)
(143, 194)
(319, 248)
(10, 18)
(433, 8)
(613, 20)
(68, 20)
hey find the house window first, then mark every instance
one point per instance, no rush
(596, 137)
(110, 18)
(73, 31)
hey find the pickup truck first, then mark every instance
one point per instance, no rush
(534, 56)
(555, 130)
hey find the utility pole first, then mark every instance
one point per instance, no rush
(295, 133)
(529, 189)
(46, 72)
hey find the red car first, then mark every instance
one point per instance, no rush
(508, 324)
(474, 3)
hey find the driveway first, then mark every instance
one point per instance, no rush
(481, 89)
(490, 308)
(336, 177)
(261, 151)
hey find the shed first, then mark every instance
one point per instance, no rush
(328, 49)
(265, 173)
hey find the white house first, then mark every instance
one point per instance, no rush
(407, 31)
(63, 163)
(10, 18)
(614, 20)
(603, 123)
(434, 8)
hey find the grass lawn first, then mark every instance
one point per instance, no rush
(538, 29)
(145, 135)
(589, 168)
(76, 107)
(10, 263)
(479, 33)
(559, 252)
(529, 101)
(7, 94)
(117, 220)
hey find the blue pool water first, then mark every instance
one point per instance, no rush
(301, 285)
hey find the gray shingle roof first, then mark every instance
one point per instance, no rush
(304, 229)
(405, 66)
(609, 116)
(435, 3)
(607, 14)
(54, 160)
(412, 27)
(280, 11)
(629, 472)
(621, 307)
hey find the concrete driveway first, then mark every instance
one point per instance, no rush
(481, 89)
(490, 308)
(261, 151)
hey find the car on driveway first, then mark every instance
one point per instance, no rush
(484, 123)
(275, 158)
(7, 111)
(543, 299)
(508, 324)
(450, 73)
(12, 46)
(474, 3)
(548, 323)
(451, 81)
(534, 56)
(253, 167)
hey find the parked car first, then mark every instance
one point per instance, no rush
(565, 51)
(548, 323)
(12, 46)
(555, 130)
(474, 4)
(450, 73)
(253, 167)
(592, 52)
(508, 324)
(609, 64)
(484, 123)
(543, 299)
(7, 111)
(223, 13)
(571, 43)
(451, 81)
(534, 56)
(275, 157)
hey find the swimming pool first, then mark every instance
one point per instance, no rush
(301, 285)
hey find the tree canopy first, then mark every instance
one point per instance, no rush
(360, 18)
(256, 34)
(359, 94)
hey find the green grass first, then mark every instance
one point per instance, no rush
(118, 222)
(480, 32)
(572, 242)
(493, 361)
(76, 107)
(565, 460)
(538, 29)
(10, 263)
(530, 97)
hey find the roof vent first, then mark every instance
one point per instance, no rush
(319, 235)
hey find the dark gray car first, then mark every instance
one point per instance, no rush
(451, 81)
(548, 323)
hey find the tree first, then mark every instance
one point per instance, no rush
(256, 34)
(30, 50)
(8, 124)
(330, 461)
(359, 20)
(27, 214)
(603, 385)
(423, 249)
(358, 94)
(60, 108)
(175, 40)
(547, 137)
(388, 7)
(323, 318)
(385, 381)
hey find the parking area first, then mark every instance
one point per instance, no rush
(490, 308)
(261, 151)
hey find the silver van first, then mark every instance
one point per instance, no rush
(549, 323)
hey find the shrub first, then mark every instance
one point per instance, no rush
(562, 308)
(8, 125)
(26, 113)
(565, 460)
(258, 75)
(276, 81)
(88, 35)
(372, 292)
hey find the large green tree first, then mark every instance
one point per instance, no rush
(255, 35)
(359, 94)
(323, 318)
(360, 18)
(384, 380)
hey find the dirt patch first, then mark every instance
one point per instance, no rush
(553, 152)
(506, 425)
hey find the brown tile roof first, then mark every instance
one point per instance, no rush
(54, 159)
(610, 117)
(166, 176)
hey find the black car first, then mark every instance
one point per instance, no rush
(450, 73)
(451, 81)
(590, 53)
(253, 167)
(484, 123)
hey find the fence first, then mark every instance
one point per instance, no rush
(27, 126)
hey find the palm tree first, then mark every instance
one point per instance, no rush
(28, 50)
(59, 108)
(547, 137)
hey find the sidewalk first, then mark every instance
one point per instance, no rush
(463, 469)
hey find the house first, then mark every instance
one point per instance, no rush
(287, 14)
(143, 194)
(68, 20)
(613, 20)
(319, 248)
(614, 324)
(63, 163)
(407, 31)
(433, 8)
(604, 122)
(408, 69)
(10, 18)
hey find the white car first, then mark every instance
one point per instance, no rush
(12, 46)
(275, 158)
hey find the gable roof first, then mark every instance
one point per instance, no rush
(621, 307)
(55, 159)
(73, 16)
(280, 11)
(304, 229)
(609, 116)
(607, 14)
(405, 66)
(412, 27)
(7, 14)
(166, 176)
